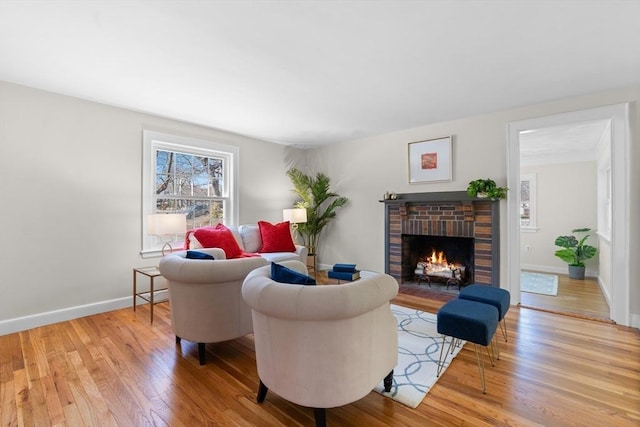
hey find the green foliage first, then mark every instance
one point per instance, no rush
(488, 187)
(574, 251)
(316, 197)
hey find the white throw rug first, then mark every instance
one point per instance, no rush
(539, 283)
(418, 352)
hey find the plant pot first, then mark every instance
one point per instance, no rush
(576, 272)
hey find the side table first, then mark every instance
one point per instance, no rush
(151, 273)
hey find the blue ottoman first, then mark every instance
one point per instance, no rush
(499, 298)
(470, 321)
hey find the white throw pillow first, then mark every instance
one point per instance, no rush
(251, 240)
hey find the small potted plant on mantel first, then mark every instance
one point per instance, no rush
(486, 188)
(574, 252)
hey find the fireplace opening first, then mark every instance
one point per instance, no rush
(442, 259)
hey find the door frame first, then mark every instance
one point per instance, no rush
(620, 244)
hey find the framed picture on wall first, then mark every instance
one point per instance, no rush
(430, 161)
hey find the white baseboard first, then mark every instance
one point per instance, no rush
(605, 294)
(33, 321)
(324, 267)
(556, 270)
(635, 321)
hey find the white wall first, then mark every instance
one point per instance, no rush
(72, 248)
(364, 169)
(566, 199)
(70, 197)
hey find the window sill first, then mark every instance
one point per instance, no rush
(157, 253)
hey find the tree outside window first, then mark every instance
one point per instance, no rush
(190, 184)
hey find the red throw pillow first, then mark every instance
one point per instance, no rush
(276, 237)
(219, 237)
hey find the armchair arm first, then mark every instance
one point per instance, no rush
(302, 252)
(177, 268)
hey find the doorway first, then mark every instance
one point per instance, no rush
(615, 259)
(560, 190)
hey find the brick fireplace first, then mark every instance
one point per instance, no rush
(444, 214)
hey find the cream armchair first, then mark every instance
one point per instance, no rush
(205, 297)
(322, 346)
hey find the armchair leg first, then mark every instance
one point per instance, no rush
(320, 416)
(262, 392)
(201, 353)
(388, 382)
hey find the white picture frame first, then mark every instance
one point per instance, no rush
(430, 160)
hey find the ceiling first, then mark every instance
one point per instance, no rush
(573, 142)
(307, 73)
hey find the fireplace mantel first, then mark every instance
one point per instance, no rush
(473, 217)
(443, 196)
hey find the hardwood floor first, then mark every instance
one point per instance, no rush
(575, 297)
(115, 369)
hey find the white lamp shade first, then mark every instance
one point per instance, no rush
(163, 224)
(294, 216)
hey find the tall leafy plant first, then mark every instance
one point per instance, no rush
(575, 251)
(316, 197)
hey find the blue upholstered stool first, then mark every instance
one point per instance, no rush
(470, 321)
(499, 298)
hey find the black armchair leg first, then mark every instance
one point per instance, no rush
(262, 392)
(201, 353)
(321, 417)
(388, 382)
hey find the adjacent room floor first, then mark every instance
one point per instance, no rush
(578, 298)
(581, 298)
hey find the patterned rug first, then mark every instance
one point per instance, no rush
(418, 352)
(539, 283)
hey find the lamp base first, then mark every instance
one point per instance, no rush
(164, 248)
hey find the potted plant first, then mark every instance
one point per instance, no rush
(575, 251)
(319, 201)
(486, 188)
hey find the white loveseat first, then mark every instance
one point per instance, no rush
(248, 238)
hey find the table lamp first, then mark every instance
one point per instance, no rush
(166, 225)
(295, 217)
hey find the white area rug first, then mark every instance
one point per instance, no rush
(418, 352)
(539, 283)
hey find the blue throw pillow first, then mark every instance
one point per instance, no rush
(198, 255)
(282, 274)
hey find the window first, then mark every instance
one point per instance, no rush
(183, 175)
(528, 201)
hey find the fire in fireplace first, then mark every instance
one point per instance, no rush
(436, 265)
(438, 258)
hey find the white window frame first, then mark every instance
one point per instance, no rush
(533, 221)
(152, 141)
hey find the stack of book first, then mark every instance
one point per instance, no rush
(344, 272)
